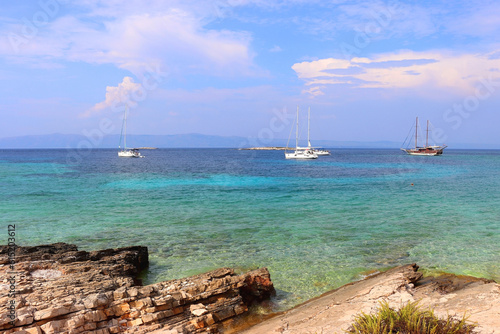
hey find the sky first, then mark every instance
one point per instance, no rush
(366, 69)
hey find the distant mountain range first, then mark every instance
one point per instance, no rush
(111, 141)
(192, 140)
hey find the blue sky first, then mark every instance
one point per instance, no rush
(240, 68)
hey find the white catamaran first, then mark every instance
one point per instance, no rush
(318, 151)
(428, 150)
(300, 152)
(127, 152)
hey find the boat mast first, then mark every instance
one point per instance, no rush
(309, 127)
(416, 133)
(125, 129)
(297, 130)
(427, 135)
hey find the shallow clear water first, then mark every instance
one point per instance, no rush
(315, 224)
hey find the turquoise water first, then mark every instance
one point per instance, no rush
(315, 224)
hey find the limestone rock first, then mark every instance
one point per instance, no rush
(198, 309)
(60, 289)
(334, 311)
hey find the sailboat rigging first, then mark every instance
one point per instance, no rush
(317, 151)
(300, 152)
(127, 152)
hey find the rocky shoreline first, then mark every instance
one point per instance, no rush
(59, 289)
(333, 312)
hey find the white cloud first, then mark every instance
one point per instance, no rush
(178, 40)
(425, 71)
(118, 96)
(133, 36)
(314, 91)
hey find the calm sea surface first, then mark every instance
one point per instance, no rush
(315, 224)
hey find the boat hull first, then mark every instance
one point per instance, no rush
(300, 155)
(425, 151)
(129, 154)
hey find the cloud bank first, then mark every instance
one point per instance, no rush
(130, 36)
(428, 70)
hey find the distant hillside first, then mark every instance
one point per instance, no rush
(111, 141)
(193, 140)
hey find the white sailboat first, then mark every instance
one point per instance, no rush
(127, 152)
(300, 152)
(316, 150)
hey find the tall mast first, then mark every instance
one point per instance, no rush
(427, 135)
(309, 127)
(416, 133)
(297, 130)
(125, 129)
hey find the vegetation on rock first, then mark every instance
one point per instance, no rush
(409, 319)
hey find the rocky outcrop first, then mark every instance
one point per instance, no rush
(59, 289)
(334, 311)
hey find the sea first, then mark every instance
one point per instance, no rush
(315, 224)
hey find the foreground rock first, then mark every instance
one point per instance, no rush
(58, 289)
(448, 294)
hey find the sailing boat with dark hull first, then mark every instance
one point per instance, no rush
(427, 150)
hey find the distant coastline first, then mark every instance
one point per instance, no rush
(192, 140)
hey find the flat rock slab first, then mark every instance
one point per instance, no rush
(334, 311)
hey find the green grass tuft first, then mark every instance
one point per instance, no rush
(409, 319)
